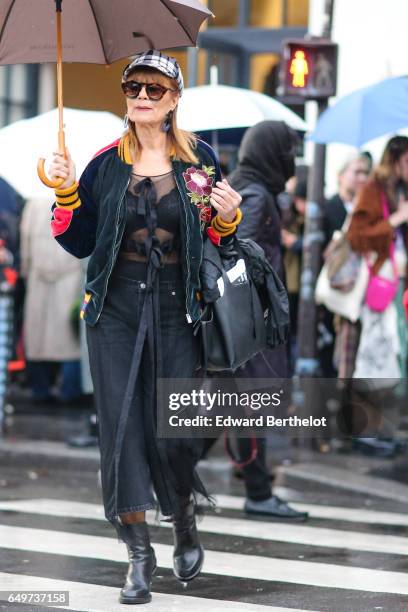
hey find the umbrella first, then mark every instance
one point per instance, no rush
(96, 31)
(219, 107)
(365, 114)
(89, 131)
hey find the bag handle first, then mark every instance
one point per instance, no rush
(234, 460)
(346, 224)
(386, 214)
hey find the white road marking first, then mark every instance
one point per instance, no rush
(97, 598)
(219, 563)
(262, 530)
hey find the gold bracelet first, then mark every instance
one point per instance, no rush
(67, 190)
(228, 225)
(225, 233)
(220, 231)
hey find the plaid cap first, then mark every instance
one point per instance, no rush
(159, 61)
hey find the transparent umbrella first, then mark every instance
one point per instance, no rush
(89, 131)
(219, 107)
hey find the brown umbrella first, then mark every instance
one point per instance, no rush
(95, 31)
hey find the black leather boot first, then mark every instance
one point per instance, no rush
(142, 563)
(188, 556)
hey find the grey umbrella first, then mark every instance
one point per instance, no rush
(95, 31)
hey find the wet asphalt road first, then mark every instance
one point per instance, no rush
(351, 555)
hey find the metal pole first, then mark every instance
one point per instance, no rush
(307, 363)
(284, 13)
(328, 19)
(7, 95)
(192, 56)
(244, 13)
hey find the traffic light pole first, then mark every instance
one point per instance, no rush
(305, 395)
(307, 363)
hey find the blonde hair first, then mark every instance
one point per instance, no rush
(182, 144)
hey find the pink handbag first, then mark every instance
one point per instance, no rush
(381, 291)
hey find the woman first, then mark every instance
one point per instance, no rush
(378, 229)
(53, 284)
(382, 234)
(340, 356)
(143, 207)
(293, 221)
(266, 160)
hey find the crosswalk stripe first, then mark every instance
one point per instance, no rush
(339, 513)
(97, 598)
(218, 563)
(281, 532)
(335, 513)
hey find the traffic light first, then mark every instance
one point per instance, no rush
(308, 68)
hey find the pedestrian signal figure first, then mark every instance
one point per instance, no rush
(299, 68)
(141, 211)
(323, 73)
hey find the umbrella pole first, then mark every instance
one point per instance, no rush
(214, 141)
(61, 135)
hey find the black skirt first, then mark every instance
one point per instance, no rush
(142, 333)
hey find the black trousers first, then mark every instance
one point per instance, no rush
(257, 478)
(111, 344)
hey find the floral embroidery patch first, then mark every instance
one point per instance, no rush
(199, 184)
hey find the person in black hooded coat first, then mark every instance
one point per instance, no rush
(266, 161)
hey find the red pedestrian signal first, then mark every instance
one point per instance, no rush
(299, 68)
(308, 69)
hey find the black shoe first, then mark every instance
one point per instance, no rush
(377, 447)
(188, 556)
(274, 507)
(142, 563)
(82, 441)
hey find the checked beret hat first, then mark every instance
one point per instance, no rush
(159, 61)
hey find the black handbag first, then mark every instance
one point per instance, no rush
(271, 290)
(232, 324)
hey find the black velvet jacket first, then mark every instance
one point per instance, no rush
(97, 225)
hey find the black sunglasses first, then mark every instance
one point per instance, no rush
(154, 91)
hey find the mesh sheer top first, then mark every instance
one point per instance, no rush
(152, 218)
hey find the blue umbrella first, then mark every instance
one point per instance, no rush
(365, 114)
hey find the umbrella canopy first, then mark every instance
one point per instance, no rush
(89, 131)
(218, 107)
(96, 31)
(365, 114)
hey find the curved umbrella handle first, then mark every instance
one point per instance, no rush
(54, 184)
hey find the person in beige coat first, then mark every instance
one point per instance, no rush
(53, 286)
